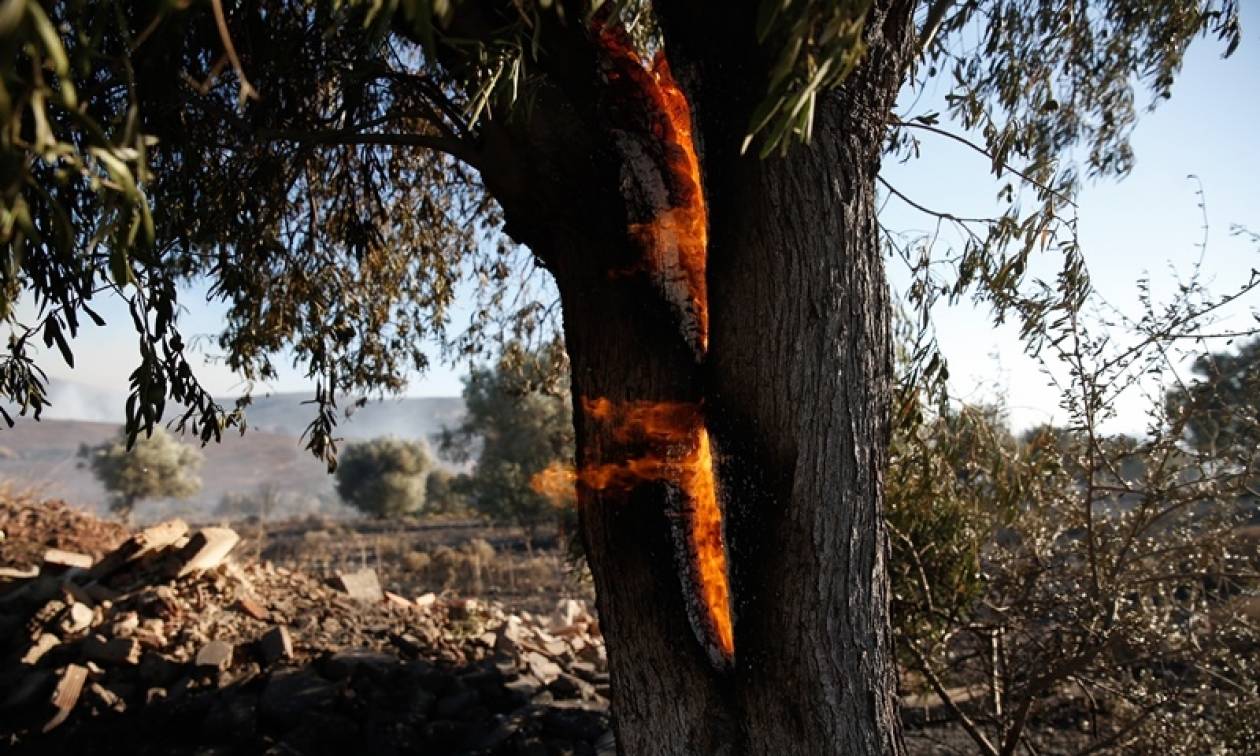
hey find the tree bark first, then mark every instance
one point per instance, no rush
(795, 387)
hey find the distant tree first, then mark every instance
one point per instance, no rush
(1222, 407)
(384, 477)
(518, 422)
(445, 492)
(157, 466)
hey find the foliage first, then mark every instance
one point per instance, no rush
(518, 422)
(953, 483)
(384, 477)
(446, 493)
(156, 466)
(1112, 572)
(316, 166)
(1222, 404)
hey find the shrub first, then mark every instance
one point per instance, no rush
(156, 466)
(384, 477)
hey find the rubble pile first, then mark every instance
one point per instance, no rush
(165, 644)
(28, 525)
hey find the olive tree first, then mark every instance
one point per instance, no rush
(384, 477)
(155, 466)
(700, 179)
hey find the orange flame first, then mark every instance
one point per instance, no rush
(675, 241)
(687, 462)
(556, 482)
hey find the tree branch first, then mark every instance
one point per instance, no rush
(1004, 165)
(932, 24)
(984, 744)
(456, 148)
(929, 211)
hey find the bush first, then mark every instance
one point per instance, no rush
(384, 477)
(446, 493)
(157, 466)
(518, 422)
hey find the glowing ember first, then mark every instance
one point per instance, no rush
(668, 440)
(675, 241)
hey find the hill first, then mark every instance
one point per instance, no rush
(45, 454)
(285, 414)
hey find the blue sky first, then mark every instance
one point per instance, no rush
(1146, 223)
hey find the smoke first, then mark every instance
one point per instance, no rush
(75, 401)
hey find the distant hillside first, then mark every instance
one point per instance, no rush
(46, 454)
(283, 414)
(270, 454)
(420, 417)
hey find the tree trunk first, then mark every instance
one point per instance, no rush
(795, 391)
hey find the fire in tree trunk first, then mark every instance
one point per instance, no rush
(731, 373)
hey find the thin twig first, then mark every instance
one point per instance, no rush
(1002, 163)
(247, 90)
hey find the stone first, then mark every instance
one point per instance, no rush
(542, 667)
(205, 550)
(398, 601)
(426, 601)
(42, 645)
(66, 694)
(566, 614)
(523, 688)
(106, 698)
(214, 656)
(18, 573)
(124, 624)
(275, 644)
(572, 686)
(150, 540)
(362, 585)
(76, 619)
(250, 606)
(59, 560)
(115, 651)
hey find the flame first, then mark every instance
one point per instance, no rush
(667, 441)
(556, 482)
(681, 454)
(675, 241)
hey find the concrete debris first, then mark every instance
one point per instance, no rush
(205, 550)
(276, 645)
(363, 585)
(58, 559)
(214, 656)
(163, 642)
(66, 694)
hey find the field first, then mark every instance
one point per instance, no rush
(455, 557)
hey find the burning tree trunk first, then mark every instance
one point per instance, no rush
(731, 372)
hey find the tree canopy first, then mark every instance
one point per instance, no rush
(384, 477)
(156, 466)
(336, 171)
(518, 422)
(1222, 404)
